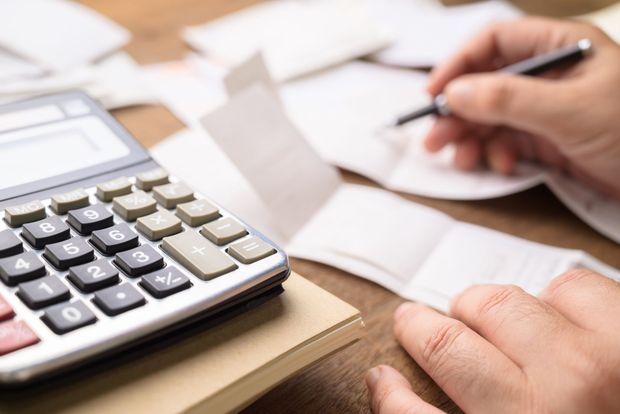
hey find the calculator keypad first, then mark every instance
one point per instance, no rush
(10, 245)
(158, 225)
(134, 205)
(114, 239)
(68, 317)
(46, 231)
(92, 276)
(62, 203)
(43, 292)
(114, 188)
(69, 253)
(197, 212)
(165, 282)
(138, 261)
(170, 195)
(223, 231)
(24, 213)
(118, 299)
(88, 219)
(149, 179)
(21, 268)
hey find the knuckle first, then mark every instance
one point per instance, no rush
(383, 397)
(438, 347)
(558, 284)
(497, 298)
(497, 97)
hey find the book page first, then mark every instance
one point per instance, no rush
(296, 37)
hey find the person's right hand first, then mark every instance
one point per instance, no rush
(568, 119)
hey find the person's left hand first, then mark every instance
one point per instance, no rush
(506, 351)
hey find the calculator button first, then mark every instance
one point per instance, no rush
(198, 255)
(170, 195)
(62, 203)
(10, 245)
(223, 231)
(91, 218)
(69, 253)
(92, 276)
(24, 213)
(68, 317)
(165, 282)
(159, 225)
(21, 268)
(118, 299)
(6, 311)
(115, 188)
(134, 205)
(250, 250)
(43, 232)
(149, 179)
(15, 335)
(114, 239)
(138, 261)
(43, 292)
(198, 212)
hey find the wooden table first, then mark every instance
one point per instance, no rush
(336, 384)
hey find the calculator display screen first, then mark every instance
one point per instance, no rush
(34, 153)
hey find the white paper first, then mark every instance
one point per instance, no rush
(296, 37)
(341, 112)
(57, 34)
(12, 67)
(427, 32)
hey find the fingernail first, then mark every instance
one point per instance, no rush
(372, 377)
(459, 92)
(402, 309)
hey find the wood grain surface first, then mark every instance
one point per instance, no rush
(335, 385)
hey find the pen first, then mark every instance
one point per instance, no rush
(530, 67)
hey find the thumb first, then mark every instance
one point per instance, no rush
(520, 102)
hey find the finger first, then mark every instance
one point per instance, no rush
(461, 362)
(585, 298)
(520, 102)
(504, 43)
(391, 393)
(446, 130)
(500, 153)
(468, 153)
(521, 326)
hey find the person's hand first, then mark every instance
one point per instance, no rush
(569, 119)
(505, 351)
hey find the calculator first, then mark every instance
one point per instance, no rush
(101, 248)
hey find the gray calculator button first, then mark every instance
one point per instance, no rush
(43, 292)
(10, 245)
(250, 250)
(223, 231)
(138, 261)
(149, 179)
(114, 188)
(21, 268)
(92, 276)
(197, 254)
(88, 219)
(118, 299)
(159, 225)
(197, 212)
(24, 213)
(68, 317)
(62, 203)
(114, 239)
(134, 205)
(165, 282)
(170, 195)
(46, 231)
(69, 253)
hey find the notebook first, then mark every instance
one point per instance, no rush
(223, 369)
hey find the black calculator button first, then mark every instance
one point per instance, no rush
(69, 253)
(138, 261)
(115, 239)
(21, 268)
(118, 299)
(92, 276)
(67, 317)
(43, 292)
(88, 219)
(165, 282)
(43, 232)
(10, 245)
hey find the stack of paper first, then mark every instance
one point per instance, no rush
(428, 32)
(296, 36)
(301, 202)
(53, 45)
